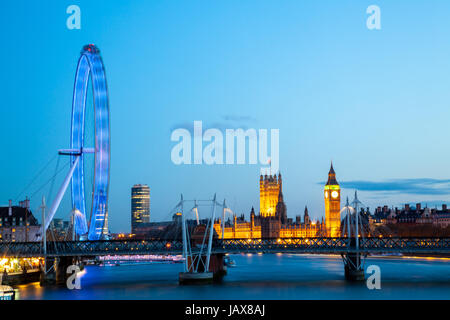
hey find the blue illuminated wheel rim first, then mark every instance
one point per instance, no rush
(90, 66)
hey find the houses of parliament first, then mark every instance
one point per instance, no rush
(272, 220)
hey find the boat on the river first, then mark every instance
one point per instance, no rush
(7, 293)
(229, 262)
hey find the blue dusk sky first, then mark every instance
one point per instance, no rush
(375, 102)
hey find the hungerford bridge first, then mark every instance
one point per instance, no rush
(203, 256)
(319, 245)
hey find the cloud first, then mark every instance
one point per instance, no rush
(227, 122)
(189, 126)
(235, 118)
(433, 203)
(421, 186)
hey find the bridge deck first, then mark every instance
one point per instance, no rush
(319, 245)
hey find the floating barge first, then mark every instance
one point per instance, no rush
(16, 278)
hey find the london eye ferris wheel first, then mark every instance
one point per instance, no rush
(90, 65)
(90, 202)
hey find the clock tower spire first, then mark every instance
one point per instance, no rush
(332, 194)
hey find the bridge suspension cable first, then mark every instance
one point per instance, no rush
(51, 180)
(35, 177)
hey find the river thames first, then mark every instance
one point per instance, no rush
(259, 277)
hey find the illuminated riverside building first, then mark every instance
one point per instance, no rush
(269, 190)
(411, 215)
(140, 205)
(18, 224)
(272, 221)
(332, 195)
(241, 229)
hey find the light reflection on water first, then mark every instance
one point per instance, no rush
(268, 276)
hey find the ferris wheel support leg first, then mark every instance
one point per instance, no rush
(60, 194)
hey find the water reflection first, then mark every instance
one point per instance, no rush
(257, 276)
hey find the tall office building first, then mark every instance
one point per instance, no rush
(140, 205)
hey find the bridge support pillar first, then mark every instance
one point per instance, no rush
(217, 266)
(48, 274)
(56, 273)
(354, 270)
(61, 270)
(217, 270)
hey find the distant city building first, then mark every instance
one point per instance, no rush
(411, 216)
(152, 229)
(140, 206)
(17, 223)
(59, 230)
(164, 229)
(57, 224)
(177, 217)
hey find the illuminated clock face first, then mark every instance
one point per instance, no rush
(326, 194)
(334, 194)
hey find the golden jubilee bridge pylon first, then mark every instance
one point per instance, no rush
(200, 265)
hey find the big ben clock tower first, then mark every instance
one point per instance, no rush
(332, 194)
